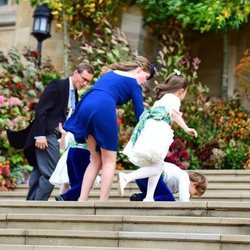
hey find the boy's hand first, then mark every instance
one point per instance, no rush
(191, 131)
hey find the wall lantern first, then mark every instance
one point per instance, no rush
(41, 27)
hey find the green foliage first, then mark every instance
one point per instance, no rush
(174, 54)
(82, 16)
(107, 45)
(194, 162)
(201, 15)
(223, 131)
(235, 154)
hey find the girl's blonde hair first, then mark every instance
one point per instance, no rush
(139, 61)
(173, 83)
(201, 181)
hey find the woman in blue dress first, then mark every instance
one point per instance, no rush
(95, 118)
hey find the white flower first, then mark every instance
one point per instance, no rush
(177, 72)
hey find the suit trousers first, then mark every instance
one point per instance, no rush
(162, 192)
(77, 163)
(39, 186)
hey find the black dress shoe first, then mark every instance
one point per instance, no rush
(135, 197)
(59, 198)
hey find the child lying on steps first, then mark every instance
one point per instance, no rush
(173, 180)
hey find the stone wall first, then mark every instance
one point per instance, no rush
(18, 33)
(209, 48)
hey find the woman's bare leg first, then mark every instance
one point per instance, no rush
(92, 169)
(108, 170)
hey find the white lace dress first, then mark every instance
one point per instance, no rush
(155, 135)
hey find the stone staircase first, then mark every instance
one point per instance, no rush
(219, 220)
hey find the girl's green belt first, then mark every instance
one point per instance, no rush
(157, 113)
(74, 144)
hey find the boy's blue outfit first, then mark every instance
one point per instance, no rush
(78, 160)
(162, 192)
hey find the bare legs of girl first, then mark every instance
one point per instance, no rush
(105, 159)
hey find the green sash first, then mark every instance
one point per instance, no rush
(157, 113)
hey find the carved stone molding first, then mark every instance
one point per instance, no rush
(7, 15)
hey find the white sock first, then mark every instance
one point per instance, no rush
(152, 182)
(154, 170)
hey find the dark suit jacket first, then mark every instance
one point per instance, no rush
(51, 109)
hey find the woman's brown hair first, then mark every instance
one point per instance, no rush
(139, 61)
(173, 83)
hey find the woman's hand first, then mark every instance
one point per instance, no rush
(191, 131)
(61, 130)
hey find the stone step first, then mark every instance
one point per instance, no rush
(227, 185)
(163, 240)
(218, 220)
(194, 208)
(133, 187)
(138, 223)
(46, 247)
(217, 179)
(223, 172)
(213, 172)
(224, 195)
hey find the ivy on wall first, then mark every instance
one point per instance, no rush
(201, 15)
(82, 16)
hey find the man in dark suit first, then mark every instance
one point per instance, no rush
(59, 96)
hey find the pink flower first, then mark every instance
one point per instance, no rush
(1, 100)
(14, 101)
(196, 62)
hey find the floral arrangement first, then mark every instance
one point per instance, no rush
(223, 131)
(178, 154)
(6, 182)
(20, 87)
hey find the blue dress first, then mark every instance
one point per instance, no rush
(96, 112)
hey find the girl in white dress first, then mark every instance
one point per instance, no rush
(60, 175)
(152, 136)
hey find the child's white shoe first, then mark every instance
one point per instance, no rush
(122, 182)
